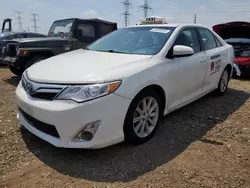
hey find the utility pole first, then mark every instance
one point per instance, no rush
(146, 8)
(127, 6)
(19, 20)
(195, 19)
(35, 20)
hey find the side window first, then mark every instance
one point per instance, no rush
(105, 29)
(218, 43)
(189, 37)
(85, 30)
(207, 38)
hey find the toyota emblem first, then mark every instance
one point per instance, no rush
(29, 87)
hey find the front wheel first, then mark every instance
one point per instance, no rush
(16, 71)
(223, 84)
(142, 117)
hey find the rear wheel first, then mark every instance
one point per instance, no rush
(142, 117)
(16, 71)
(223, 84)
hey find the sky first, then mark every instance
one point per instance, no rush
(209, 12)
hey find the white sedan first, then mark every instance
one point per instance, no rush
(117, 88)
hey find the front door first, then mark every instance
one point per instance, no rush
(185, 75)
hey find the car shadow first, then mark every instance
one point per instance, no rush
(126, 163)
(14, 80)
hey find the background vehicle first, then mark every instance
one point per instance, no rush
(7, 34)
(63, 36)
(237, 34)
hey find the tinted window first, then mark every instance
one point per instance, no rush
(86, 30)
(134, 40)
(208, 39)
(218, 43)
(105, 29)
(189, 37)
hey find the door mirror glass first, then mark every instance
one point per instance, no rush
(182, 51)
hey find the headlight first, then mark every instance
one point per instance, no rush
(83, 93)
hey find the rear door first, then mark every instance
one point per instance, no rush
(215, 58)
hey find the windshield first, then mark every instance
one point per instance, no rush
(134, 40)
(61, 27)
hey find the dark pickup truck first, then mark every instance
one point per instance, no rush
(63, 36)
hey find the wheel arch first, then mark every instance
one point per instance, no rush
(229, 68)
(158, 90)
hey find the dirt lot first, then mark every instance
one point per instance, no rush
(206, 144)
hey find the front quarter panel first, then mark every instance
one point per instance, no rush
(135, 83)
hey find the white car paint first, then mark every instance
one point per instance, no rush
(182, 79)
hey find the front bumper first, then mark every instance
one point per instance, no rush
(7, 60)
(14, 62)
(69, 118)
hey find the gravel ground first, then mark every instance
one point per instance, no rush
(206, 144)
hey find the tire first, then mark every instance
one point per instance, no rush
(223, 84)
(34, 60)
(16, 71)
(142, 130)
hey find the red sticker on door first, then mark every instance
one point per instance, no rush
(212, 67)
(215, 66)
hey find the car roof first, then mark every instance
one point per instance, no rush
(170, 25)
(92, 19)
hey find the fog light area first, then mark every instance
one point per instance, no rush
(88, 132)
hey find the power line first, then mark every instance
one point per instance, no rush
(127, 6)
(35, 20)
(146, 8)
(195, 19)
(19, 20)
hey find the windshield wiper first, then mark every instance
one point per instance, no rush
(85, 48)
(113, 51)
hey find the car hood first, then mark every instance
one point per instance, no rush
(40, 42)
(84, 66)
(37, 39)
(233, 30)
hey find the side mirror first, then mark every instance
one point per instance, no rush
(79, 33)
(182, 51)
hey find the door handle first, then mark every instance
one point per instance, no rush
(223, 53)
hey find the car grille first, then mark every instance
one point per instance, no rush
(46, 96)
(41, 91)
(43, 127)
(12, 49)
